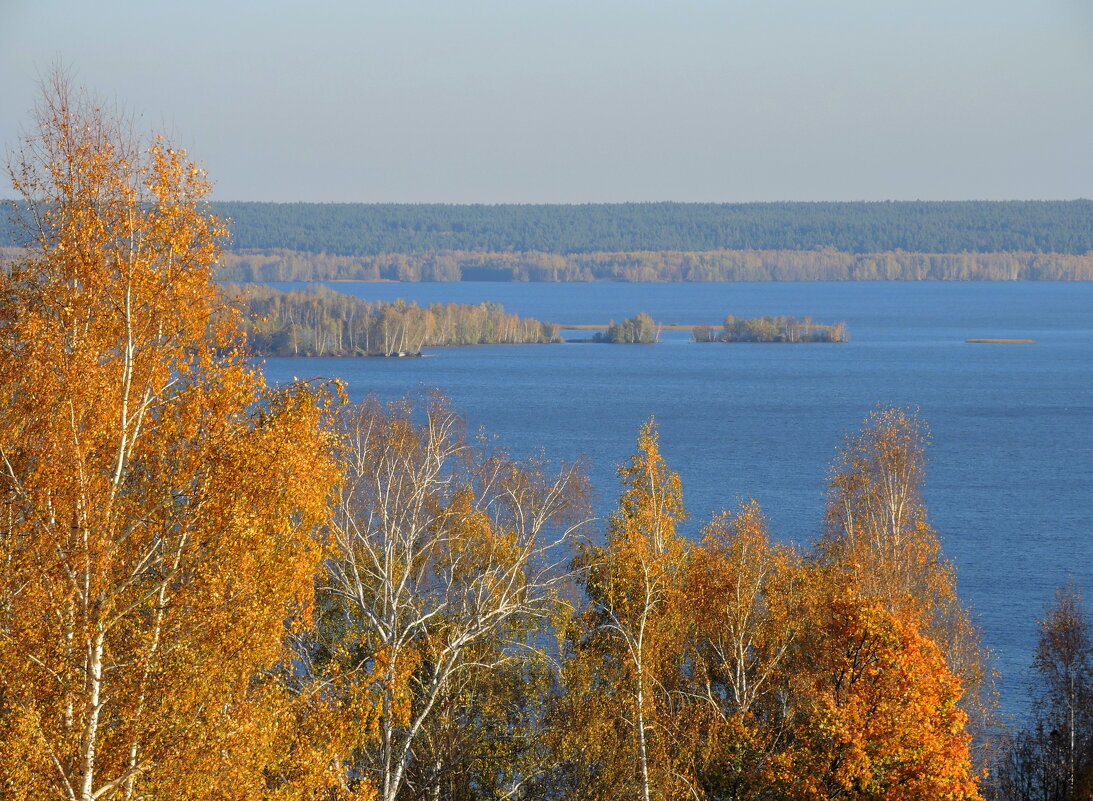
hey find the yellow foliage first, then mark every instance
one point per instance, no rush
(160, 502)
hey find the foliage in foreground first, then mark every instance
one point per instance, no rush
(735, 668)
(159, 502)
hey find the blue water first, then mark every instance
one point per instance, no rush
(1010, 479)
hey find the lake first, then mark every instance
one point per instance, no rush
(1010, 475)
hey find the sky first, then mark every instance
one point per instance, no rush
(585, 101)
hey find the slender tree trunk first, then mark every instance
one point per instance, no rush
(93, 709)
(643, 756)
(390, 785)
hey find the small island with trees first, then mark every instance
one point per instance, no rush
(318, 321)
(642, 330)
(771, 328)
(637, 330)
(321, 322)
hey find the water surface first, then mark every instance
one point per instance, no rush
(1010, 477)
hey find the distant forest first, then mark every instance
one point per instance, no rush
(720, 265)
(355, 229)
(960, 241)
(359, 229)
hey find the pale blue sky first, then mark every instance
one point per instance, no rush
(602, 100)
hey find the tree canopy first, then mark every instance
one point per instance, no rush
(159, 501)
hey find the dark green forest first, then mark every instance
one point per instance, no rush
(359, 229)
(894, 241)
(354, 229)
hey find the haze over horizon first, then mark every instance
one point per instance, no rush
(485, 101)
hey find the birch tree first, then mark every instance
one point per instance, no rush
(1052, 757)
(626, 647)
(743, 593)
(878, 534)
(1064, 662)
(158, 503)
(444, 562)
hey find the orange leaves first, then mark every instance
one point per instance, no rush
(744, 598)
(879, 539)
(629, 639)
(735, 668)
(745, 595)
(160, 505)
(849, 700)
(881, 717)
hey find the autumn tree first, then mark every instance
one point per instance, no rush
(624, 650)
(743, 596)
(879, 537)
(822, 678)
(442, 570)
(876, 517)
(874, 706)
(734, 668)
(159, 503)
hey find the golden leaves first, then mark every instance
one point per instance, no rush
(738, 668)
(161, 504)
(884, 718)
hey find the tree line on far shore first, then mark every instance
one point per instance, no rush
(358, 229)
(823, 264)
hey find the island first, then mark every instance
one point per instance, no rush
(318, 321)
(637, 330)
(771, 328)
(641, 329)
(321, 322)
